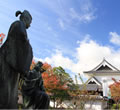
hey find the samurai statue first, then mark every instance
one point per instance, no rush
(15, 59)
(34, 95)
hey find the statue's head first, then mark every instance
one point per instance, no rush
(38, 66)
(25, 17)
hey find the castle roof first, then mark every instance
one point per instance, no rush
(104, 68)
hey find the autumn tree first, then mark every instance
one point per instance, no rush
(56, 83)
(2, 36)
(115, 93)
(115, 90)
(65, 80)
(63, 76)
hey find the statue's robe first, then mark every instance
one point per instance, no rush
(15, 59)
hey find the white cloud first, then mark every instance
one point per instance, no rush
(86, 6)
(82, 17)
(88, 55)
(86, 12)
(61, 23)
(88, 17)
(115, 38)
(67, 15)
(58, 59)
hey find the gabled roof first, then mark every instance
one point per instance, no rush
(97, 86)
(93, 79)
(104, 67)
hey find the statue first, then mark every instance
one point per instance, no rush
(33, 90)
(15, 60)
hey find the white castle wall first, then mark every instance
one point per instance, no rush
(106, 80)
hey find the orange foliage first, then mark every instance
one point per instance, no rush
(46, 66)
(32, 65)
(115, 90)
(51, 81)
(2, 36)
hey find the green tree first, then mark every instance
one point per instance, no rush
(66, 81)
(63, 76)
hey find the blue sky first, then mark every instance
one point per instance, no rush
(74, 34)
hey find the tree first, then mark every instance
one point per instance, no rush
(2, 36)
(56, 83)
(64, 77)
(65, 80)
(115, 90)
(115, 93)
